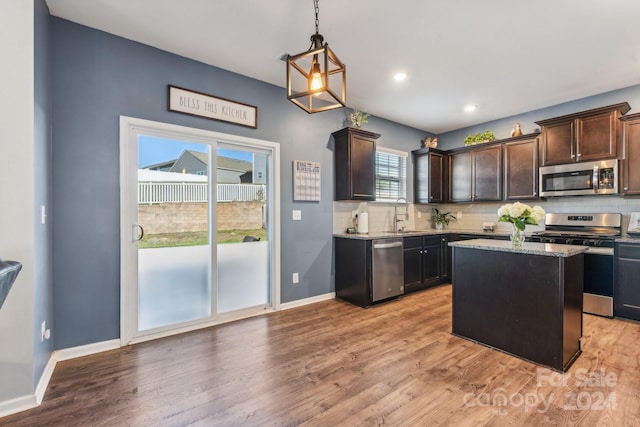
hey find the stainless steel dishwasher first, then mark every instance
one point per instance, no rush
(387, 269)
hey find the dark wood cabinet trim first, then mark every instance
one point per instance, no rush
(622, 107)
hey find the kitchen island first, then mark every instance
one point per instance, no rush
(526, 302)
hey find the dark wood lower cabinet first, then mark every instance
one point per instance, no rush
(425, 262)
(352, 261)
(626, 299)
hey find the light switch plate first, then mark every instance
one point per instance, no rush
(297, 215)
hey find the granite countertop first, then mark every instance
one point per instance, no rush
(412, 233)
(545, 249)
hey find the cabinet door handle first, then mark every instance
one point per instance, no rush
(626, 188)
(421, 252)
(573, 156)
(535, 193)
(579, 154)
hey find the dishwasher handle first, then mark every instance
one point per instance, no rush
(387, 245)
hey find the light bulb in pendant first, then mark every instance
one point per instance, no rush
(315, 81)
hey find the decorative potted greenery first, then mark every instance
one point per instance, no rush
(442, 219)
(480, 137)
(358, 118)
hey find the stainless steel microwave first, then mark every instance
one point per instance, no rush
(579, 179)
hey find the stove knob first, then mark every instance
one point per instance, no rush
(591, 242)
(551, 240)
(597, 243)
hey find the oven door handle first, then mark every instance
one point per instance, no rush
(599, 251)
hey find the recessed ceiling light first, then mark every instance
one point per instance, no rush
(469, 108)
(399, 76)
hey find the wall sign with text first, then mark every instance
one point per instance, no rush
(211, 107)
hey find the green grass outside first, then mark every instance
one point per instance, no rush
(197, 238)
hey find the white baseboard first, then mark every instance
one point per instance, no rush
(305, 301)
(86, 350)
(18, 404)
(45, 378)
(30, 401)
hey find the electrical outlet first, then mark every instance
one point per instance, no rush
(295, 278)
(459, 216)
(297, 215)
(45, 333)
(43, 214)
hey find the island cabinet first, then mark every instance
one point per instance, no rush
(526, 302)
(475, 175)
(355, 164)
(429, 179)
(626, 294)
(630, 155)
(425, 262)
(521, 168)
(585, 136)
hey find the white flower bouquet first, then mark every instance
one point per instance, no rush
(520, 215)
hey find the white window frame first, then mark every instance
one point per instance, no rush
(403, 178)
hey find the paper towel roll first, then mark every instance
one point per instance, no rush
(363, 223)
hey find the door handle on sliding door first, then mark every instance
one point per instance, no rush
(138, 237)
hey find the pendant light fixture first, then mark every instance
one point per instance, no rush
(316, 79)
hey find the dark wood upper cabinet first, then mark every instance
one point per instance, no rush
(429, 178)
(584, 136)
(475, 174)
(460, 188)
(355, 164)
(487, 173)
(521, 168)
(631, 155)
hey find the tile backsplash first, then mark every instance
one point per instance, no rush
(475, 214)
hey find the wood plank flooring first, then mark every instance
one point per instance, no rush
(332, 363)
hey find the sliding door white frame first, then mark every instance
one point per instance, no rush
(130, 128)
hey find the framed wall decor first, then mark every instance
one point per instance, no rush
(306, 181)
(212, 107)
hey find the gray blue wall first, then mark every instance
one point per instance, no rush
(96, 78)
(502, 127)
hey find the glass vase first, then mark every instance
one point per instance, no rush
(517, 238)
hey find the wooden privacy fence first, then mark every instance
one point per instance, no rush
(197, 192)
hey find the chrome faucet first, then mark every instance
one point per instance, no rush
(396, 215)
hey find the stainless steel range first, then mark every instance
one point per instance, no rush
(598, 231)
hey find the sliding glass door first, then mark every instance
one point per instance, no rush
(199, 242)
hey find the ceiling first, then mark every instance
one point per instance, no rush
(506, 57)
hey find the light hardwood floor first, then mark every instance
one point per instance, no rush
(332, 363)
